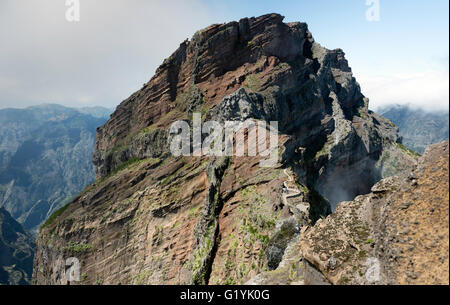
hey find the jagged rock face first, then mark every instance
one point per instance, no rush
(16, 252)
(154, 218)
(400, 230)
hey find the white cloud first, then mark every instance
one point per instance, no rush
(111, 52)
(427, 90)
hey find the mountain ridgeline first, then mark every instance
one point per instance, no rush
(45, 158)
(153, 218)
(418, 127)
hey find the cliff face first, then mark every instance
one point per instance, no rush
(397, 234)
(154, 218)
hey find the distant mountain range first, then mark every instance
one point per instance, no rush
(418, 128)
(45, 158)
(16, 251)
(156, 218)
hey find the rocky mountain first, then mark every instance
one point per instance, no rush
(419, 128)
(154, 218)
(16, 252)
(45, 158)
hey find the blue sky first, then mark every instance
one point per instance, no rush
(118, 44)
(407, 30)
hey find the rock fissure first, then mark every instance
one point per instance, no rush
(207, 230)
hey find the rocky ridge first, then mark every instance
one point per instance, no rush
(418, 127)
(152, 218)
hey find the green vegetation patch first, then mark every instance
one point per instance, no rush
(54, 216)
(253, 82)
(77, 247)
(124, 166)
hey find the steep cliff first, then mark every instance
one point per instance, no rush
(153, 218)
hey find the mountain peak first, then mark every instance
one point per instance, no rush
(259, 54)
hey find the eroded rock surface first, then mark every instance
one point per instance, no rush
(16, 249)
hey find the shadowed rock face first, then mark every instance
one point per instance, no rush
(153, 218)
